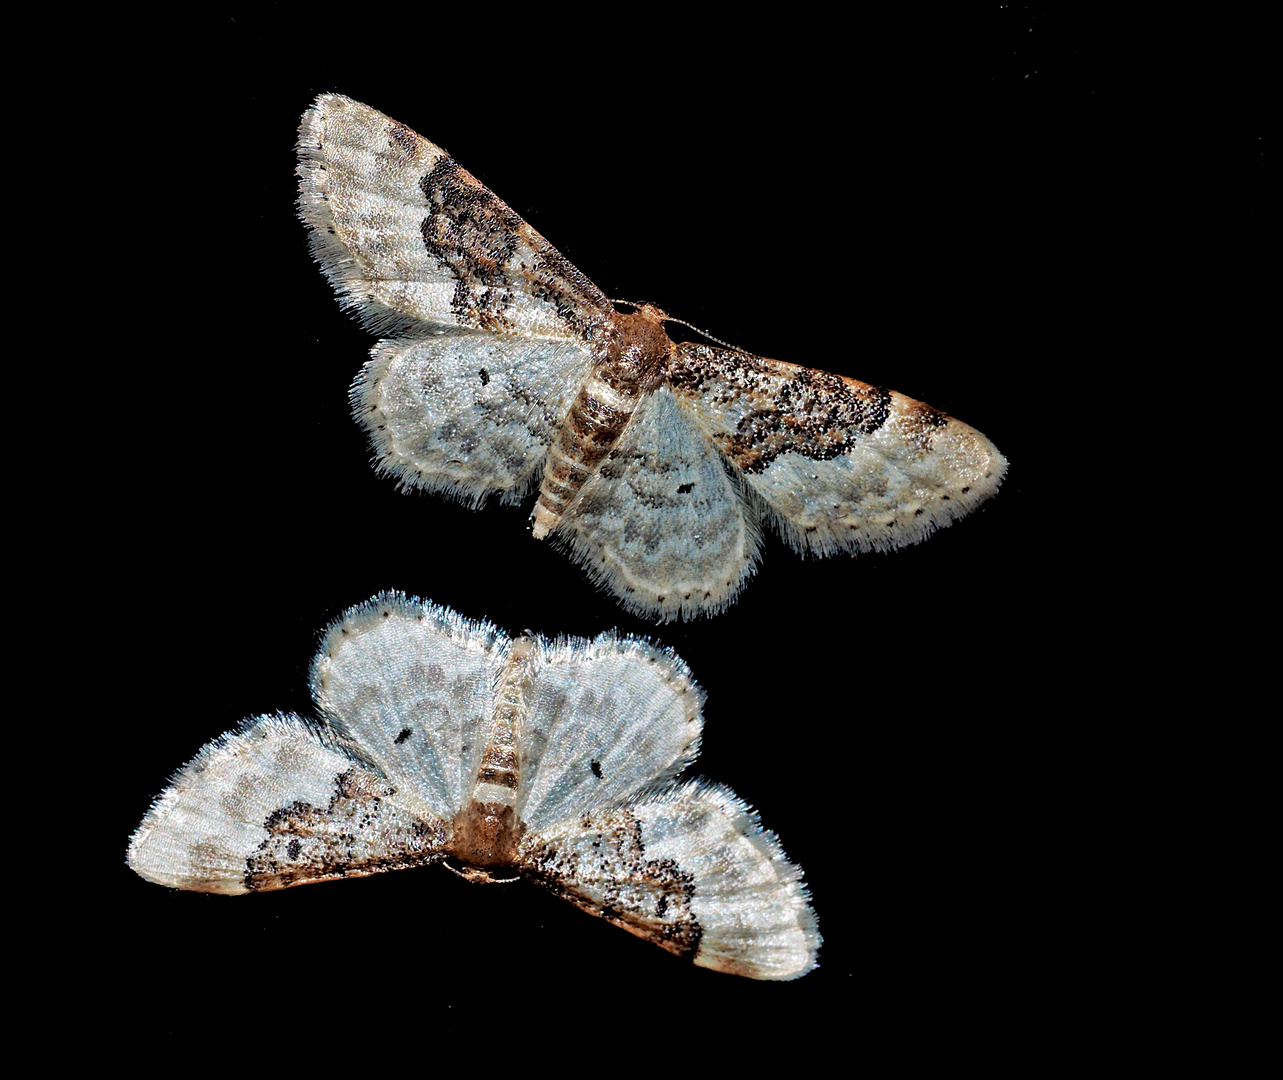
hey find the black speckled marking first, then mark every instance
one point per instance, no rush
(405, 734)
(780, 408)
(596, 769)
(472, 233)
(355, 833)
(485, 377)
(647, 897)
(402, 139)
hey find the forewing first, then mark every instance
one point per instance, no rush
(403, 233)
(662, 524)
(280, 801)
(467, 414)
(689, 869)
(604, 719)
(840, 465)
(413, 685)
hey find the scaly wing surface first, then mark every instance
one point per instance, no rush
(467, 414)
(604, 719)
(663, 524)
(414, 686)
(280, 801)
(840, 465)
(689, 869)
(412, 241)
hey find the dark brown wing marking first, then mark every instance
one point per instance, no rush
(779, 407)
(603, 869)
(491, 251)
(356, 835)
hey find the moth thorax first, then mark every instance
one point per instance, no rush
(500, 773)
(485, 834)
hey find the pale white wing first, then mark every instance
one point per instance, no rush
(604, 719)
(280, 801)
(691, 870)
(413, 685)
(467, 414)
(662, 524)
(841, 465)
(403, 233)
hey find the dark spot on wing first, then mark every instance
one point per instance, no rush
(401, 138)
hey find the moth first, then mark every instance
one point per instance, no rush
(503, 369)
(442, 739)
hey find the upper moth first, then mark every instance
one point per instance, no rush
(505, 368)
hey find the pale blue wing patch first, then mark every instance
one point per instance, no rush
(413, 685)
(663, 525)
(467, 415)
(603, 719)
(280, 801)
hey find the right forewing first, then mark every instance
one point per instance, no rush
(839, 465)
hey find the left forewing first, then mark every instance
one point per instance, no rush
(280, 801)
(689, 869)
(839, 464)
(404, 233)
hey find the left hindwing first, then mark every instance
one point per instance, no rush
(413, 685)
(467, 414)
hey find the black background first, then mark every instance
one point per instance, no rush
(935, 208)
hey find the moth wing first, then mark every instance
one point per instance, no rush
(663, 524)
(406, 236)
(413, 685)
(604, 719)
(280, 801)
(839, 464)
(691, 870)
(467, 414)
